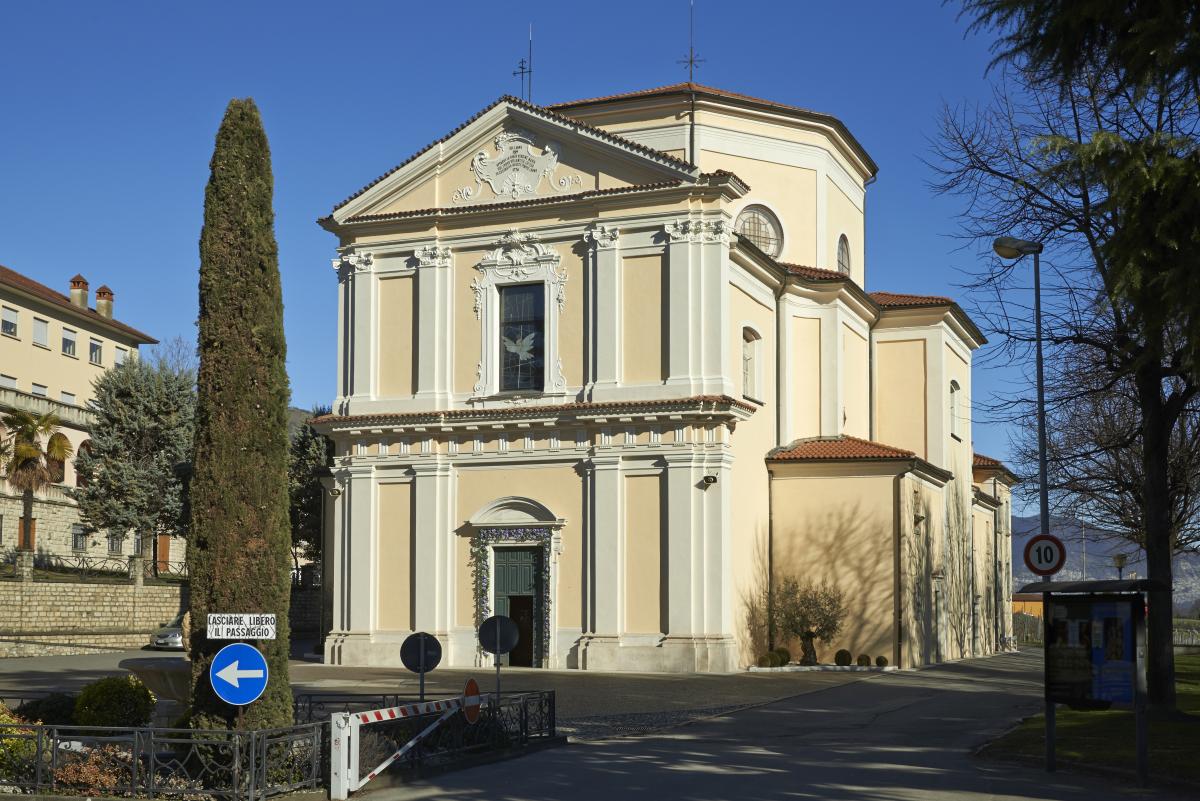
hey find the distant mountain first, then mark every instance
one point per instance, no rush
(1089, 556)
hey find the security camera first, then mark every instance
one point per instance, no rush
(710, 479)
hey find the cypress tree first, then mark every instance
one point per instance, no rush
(238, 543)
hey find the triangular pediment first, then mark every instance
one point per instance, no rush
(513, 152)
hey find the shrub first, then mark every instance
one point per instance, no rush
(764, 661)
(17, 753)
(881, 661)
(785, 655)
(842, 657)
(864, 660)
(114, 701)
(56, 709)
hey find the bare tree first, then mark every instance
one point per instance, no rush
(1028, 165)
(1095, 464)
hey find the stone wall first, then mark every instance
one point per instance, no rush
(39, 618)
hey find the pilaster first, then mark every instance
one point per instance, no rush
(606, 307)
(432, 546)
(682, 544)
(360, 535)
(434, 323)
(606, 535)
(359, 315)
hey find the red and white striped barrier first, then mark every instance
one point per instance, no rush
(344, 768)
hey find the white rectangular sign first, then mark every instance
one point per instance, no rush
(256, 626)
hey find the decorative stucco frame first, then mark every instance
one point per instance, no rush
(517, 522)
(518, 259)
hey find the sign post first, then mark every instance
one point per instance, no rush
(238, 674)
(498, 635)
(1045, 555)
(421, 653)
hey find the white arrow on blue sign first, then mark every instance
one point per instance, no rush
(238, 674)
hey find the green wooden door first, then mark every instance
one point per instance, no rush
(518, 583)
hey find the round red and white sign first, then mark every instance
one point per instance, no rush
(1045, 554)
(471, 699)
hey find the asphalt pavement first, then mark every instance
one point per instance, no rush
(903, 736)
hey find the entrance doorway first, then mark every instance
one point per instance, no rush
(519, 593)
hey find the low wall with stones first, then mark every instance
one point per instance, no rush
(42, 618)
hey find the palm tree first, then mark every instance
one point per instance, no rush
(28, 462)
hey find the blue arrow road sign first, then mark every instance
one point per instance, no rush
(238, 674)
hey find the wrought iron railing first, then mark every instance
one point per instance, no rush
(317, 707)
(163, 570)
(80, 567)
(168, 763)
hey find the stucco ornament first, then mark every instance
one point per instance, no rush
(515, 172)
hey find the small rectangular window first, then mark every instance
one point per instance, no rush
(96, 351)
(522, 337)
(68, 342)
(79, 538)
(41, 332)
(119, 355)
(115, 541)
(39, 390)
(68, 397)
(7, 381)
(8, 321)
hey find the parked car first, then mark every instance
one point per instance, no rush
(170, 636)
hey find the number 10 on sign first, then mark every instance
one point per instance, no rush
(1045, 554)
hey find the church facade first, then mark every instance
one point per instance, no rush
(610, 368)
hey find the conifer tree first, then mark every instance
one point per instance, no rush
(238, 542)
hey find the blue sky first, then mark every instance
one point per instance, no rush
(108, 112)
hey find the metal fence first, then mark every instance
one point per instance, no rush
(190, 764)
(516, 721)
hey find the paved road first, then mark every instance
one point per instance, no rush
(579, 693)
(893, 737)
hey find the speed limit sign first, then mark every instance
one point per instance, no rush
(1045, 554)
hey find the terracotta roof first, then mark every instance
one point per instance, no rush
(986, 461)
(700, 89)
(836, 449)
(542, 411)
(516, 204)
(899, 299)
(14, 279)
(548, 114)
(813, 273)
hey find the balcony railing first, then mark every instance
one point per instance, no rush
(69, 414)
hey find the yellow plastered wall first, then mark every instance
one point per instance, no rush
(558, 488)
(48, 366)
(643, 319)
(922, 517)
(805, 377)
(900, 395)
(855, 384)
(572, 322)
(644, 555)
(840, 529)
(394, 568)
(789, 192)
(843, 217)
(397, 337)
(749, 444)
(467, 344)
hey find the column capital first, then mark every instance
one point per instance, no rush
(602, 237)
(353, 262)
(431, 256)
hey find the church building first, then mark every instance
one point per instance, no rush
(611, 368)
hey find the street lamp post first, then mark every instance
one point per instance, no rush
(1008, 247)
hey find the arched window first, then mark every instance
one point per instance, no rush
(85, 446)
(750, 346)
(761, 227)
(58, 467)
(955, 402)
(843, 255)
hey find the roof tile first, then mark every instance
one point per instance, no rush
(14, 279)
(836, 449)
(900, 299)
